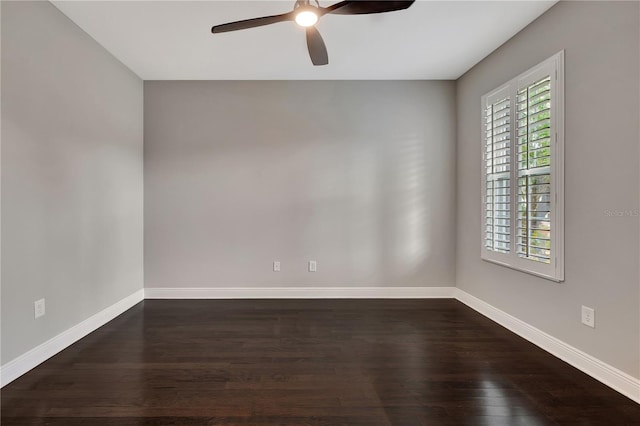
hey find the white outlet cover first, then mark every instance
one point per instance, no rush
(313, 266)
(588, 316)
(39, 308)
(276, 266)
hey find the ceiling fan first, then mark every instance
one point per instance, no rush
(306, 15)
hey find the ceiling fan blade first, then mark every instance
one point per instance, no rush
(317, 49)
(355, 7)
(252, 23)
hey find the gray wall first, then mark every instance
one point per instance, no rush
(71, 176)
(356, 175)
(601, 43)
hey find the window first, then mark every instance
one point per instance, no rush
(522, 172)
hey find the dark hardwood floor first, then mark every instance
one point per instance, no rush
(308, 362)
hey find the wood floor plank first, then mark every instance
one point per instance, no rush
(308, 362)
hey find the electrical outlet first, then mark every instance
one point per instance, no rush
(589, 316)
(313, 266)
(38, 306)
(276, 266)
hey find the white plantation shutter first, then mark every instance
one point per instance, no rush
(534, 171)
(522, 174)
(497, 172)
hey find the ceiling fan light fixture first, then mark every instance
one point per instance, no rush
(306, 15)
(306, 18)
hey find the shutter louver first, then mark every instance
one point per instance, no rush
(497, 175)
(522, 172)
(533, 237)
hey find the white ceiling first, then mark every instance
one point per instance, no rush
(171, 40)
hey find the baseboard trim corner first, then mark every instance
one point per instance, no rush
(599, 370)
(36, 356)
(301, 293)
(616, 379)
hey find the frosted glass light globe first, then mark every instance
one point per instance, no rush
(306, 18)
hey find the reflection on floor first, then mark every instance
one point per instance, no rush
(299, 362)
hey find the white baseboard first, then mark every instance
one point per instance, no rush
(301, 293)
(599, 370)
(36, 356)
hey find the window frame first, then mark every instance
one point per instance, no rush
(553, 67)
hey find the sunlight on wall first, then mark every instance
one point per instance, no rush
(370, 204)
(412, 245)
(364, 232)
